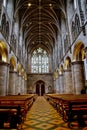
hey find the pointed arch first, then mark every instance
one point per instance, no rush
(67, 63)
(19, 69)
(12, 64)
(39, 61)
(3, 51)
(61, 69)
(78, 52)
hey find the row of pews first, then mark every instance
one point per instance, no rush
(72, 108)
(13, 110)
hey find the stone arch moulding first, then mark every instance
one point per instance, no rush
(78, 70)
(3, 51)
(38, 80)
(19, 69)
(39, 87)
(78, 51)
(67, 63)
(13, 63)
(61, 69)
(4, 68)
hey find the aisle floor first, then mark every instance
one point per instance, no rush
(42, 116)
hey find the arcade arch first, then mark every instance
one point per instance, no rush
(12, 64)
(78, 75)
(3, 52)
(4, 68)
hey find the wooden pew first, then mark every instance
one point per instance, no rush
(71, 107)
(55, 100)
(24, 101)
(75, 109)
(10, 115)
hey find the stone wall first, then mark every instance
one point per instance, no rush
(33, 78)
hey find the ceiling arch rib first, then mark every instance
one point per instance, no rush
(45, 17)
(20, 4)
(39, 21)
(41, 43)
(61, 6)
(27, 15)
(50, 12)
(46, 39)
(49, 50)
(44, 28)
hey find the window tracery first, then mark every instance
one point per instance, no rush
(39, 61)
(75, 27)
(77, 24)
(3, 23)
(7, 30)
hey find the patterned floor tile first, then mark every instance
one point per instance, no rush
(44, 126)
(42, 116)
(56, 121)
(61, 128)
(31, 122)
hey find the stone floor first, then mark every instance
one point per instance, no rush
(42, 116)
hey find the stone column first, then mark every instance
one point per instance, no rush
(85, 53)
(54, 86)
(25, 86)
(68, 81)
(19, 83)
(4, 78)
(22, 87)
(78, 77)
(57, 85)
(16, 85)
(61, 83)
(12, 82)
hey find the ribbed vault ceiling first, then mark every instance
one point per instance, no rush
(40, 21)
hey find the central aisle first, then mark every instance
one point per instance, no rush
(42, 116)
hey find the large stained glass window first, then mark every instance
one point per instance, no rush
(39, 61)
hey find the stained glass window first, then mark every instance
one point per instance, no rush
(39, 61)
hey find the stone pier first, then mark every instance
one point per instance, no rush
(78, 77)
(61, 83)
(12, 82)
(4, 78)
(67, 81)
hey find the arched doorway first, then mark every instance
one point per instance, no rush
(40, 88)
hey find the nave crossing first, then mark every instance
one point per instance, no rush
(42, 116)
